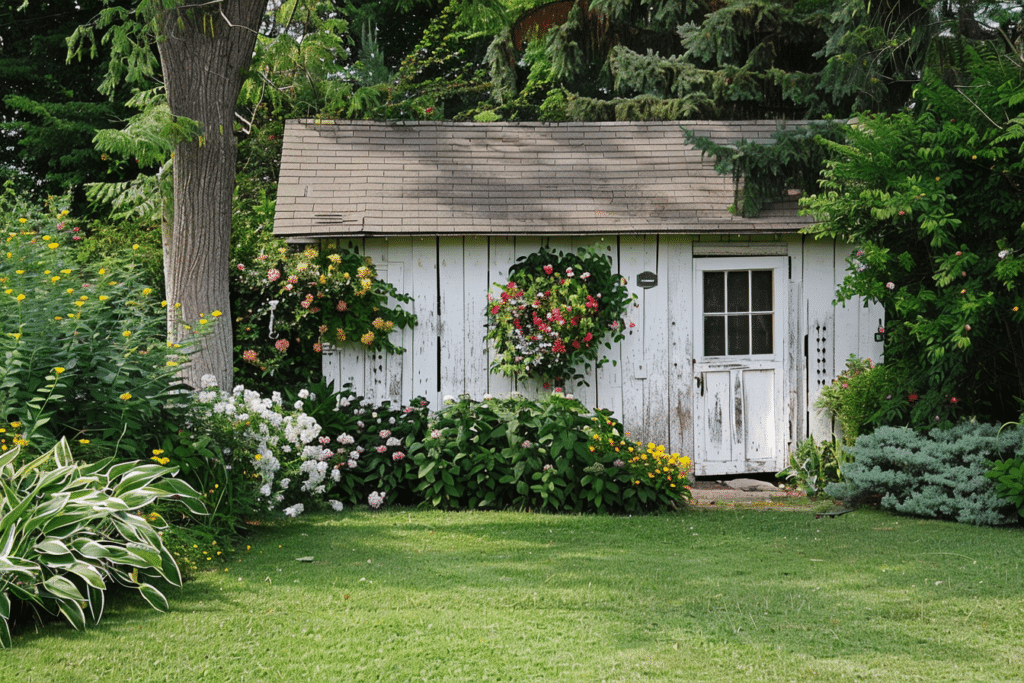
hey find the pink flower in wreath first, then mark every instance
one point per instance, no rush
(281, 345)
(249, 356)
(273, 275)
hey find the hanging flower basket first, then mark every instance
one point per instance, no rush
(555, 311)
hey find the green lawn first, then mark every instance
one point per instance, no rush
(705, 595)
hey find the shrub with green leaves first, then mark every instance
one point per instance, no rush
(941, 474)
(866, 395)
(814, 466)
(290, 304)
(68, 531)
(84, 351)
(550, 455)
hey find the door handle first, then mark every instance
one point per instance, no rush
(700, 382)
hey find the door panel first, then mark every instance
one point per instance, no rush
(739, 365)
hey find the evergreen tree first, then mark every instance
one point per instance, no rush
(50, 108)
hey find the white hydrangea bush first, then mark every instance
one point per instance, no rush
(293, 461)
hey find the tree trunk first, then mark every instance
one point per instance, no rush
(204, 51)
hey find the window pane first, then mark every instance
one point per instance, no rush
(762, 333)
(761, 290)
(739, 290)
(714, 335)
(714, 292)
(739, 335)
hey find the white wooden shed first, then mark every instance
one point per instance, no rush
(731, 345)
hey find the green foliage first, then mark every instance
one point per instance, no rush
(1008, 479)
(547, 455)
(289, 304)
(49, 107)
(84, 349)
(812, 467)
(930, 198)
(941, 474)
(865, 396)
(554, 312)
(69, 531)
(764, 172)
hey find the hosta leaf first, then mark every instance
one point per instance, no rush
(5, 634)
(72, 611)
(154, 597)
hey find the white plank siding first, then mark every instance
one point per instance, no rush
(651, 387)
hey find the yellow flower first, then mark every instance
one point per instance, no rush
(66, 271)
(57, 317)
(64, 212)
(23, 220)
(69, 290)
(83, 441)
(216, 314)
(146, 291)
(19, 272)
(79, 303)
(126, 334)
(125, 396)
(21, 297)
(367, 339)
(103, 297)
(171, 364)
(157, 451)
(55, 278)
(58, 370)
(15, 424)
(103, 271)
(164, 303)
(46, 238)
(135, 246)
(52, 245)
(203, 321)
(83, 298)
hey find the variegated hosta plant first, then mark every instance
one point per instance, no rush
(69, 530)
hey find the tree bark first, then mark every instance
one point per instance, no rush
(205, 48)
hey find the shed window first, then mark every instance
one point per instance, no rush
(738, 312)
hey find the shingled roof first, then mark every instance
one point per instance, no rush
(445, 178)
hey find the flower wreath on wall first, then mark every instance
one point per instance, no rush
(549, 319)
(320, 297)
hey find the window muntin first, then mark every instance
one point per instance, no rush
(739, 312)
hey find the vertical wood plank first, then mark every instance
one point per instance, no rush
(451, 318)
(796, 366)
(424, 345)
(819, 273)
(653, 315)
(633, 259)
(609, 376)
(473, 319)
(678, 281)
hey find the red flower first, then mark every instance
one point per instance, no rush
(495, 309)
(912, 397)
(954, 400)
(548, 269)
(559, 347)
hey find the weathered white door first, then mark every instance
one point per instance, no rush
(740, 306)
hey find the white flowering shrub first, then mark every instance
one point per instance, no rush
(277, 444)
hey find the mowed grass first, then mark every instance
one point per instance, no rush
(703, 595)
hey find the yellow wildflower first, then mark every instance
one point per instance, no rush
(125, 396)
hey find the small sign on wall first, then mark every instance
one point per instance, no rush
(647, 279)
